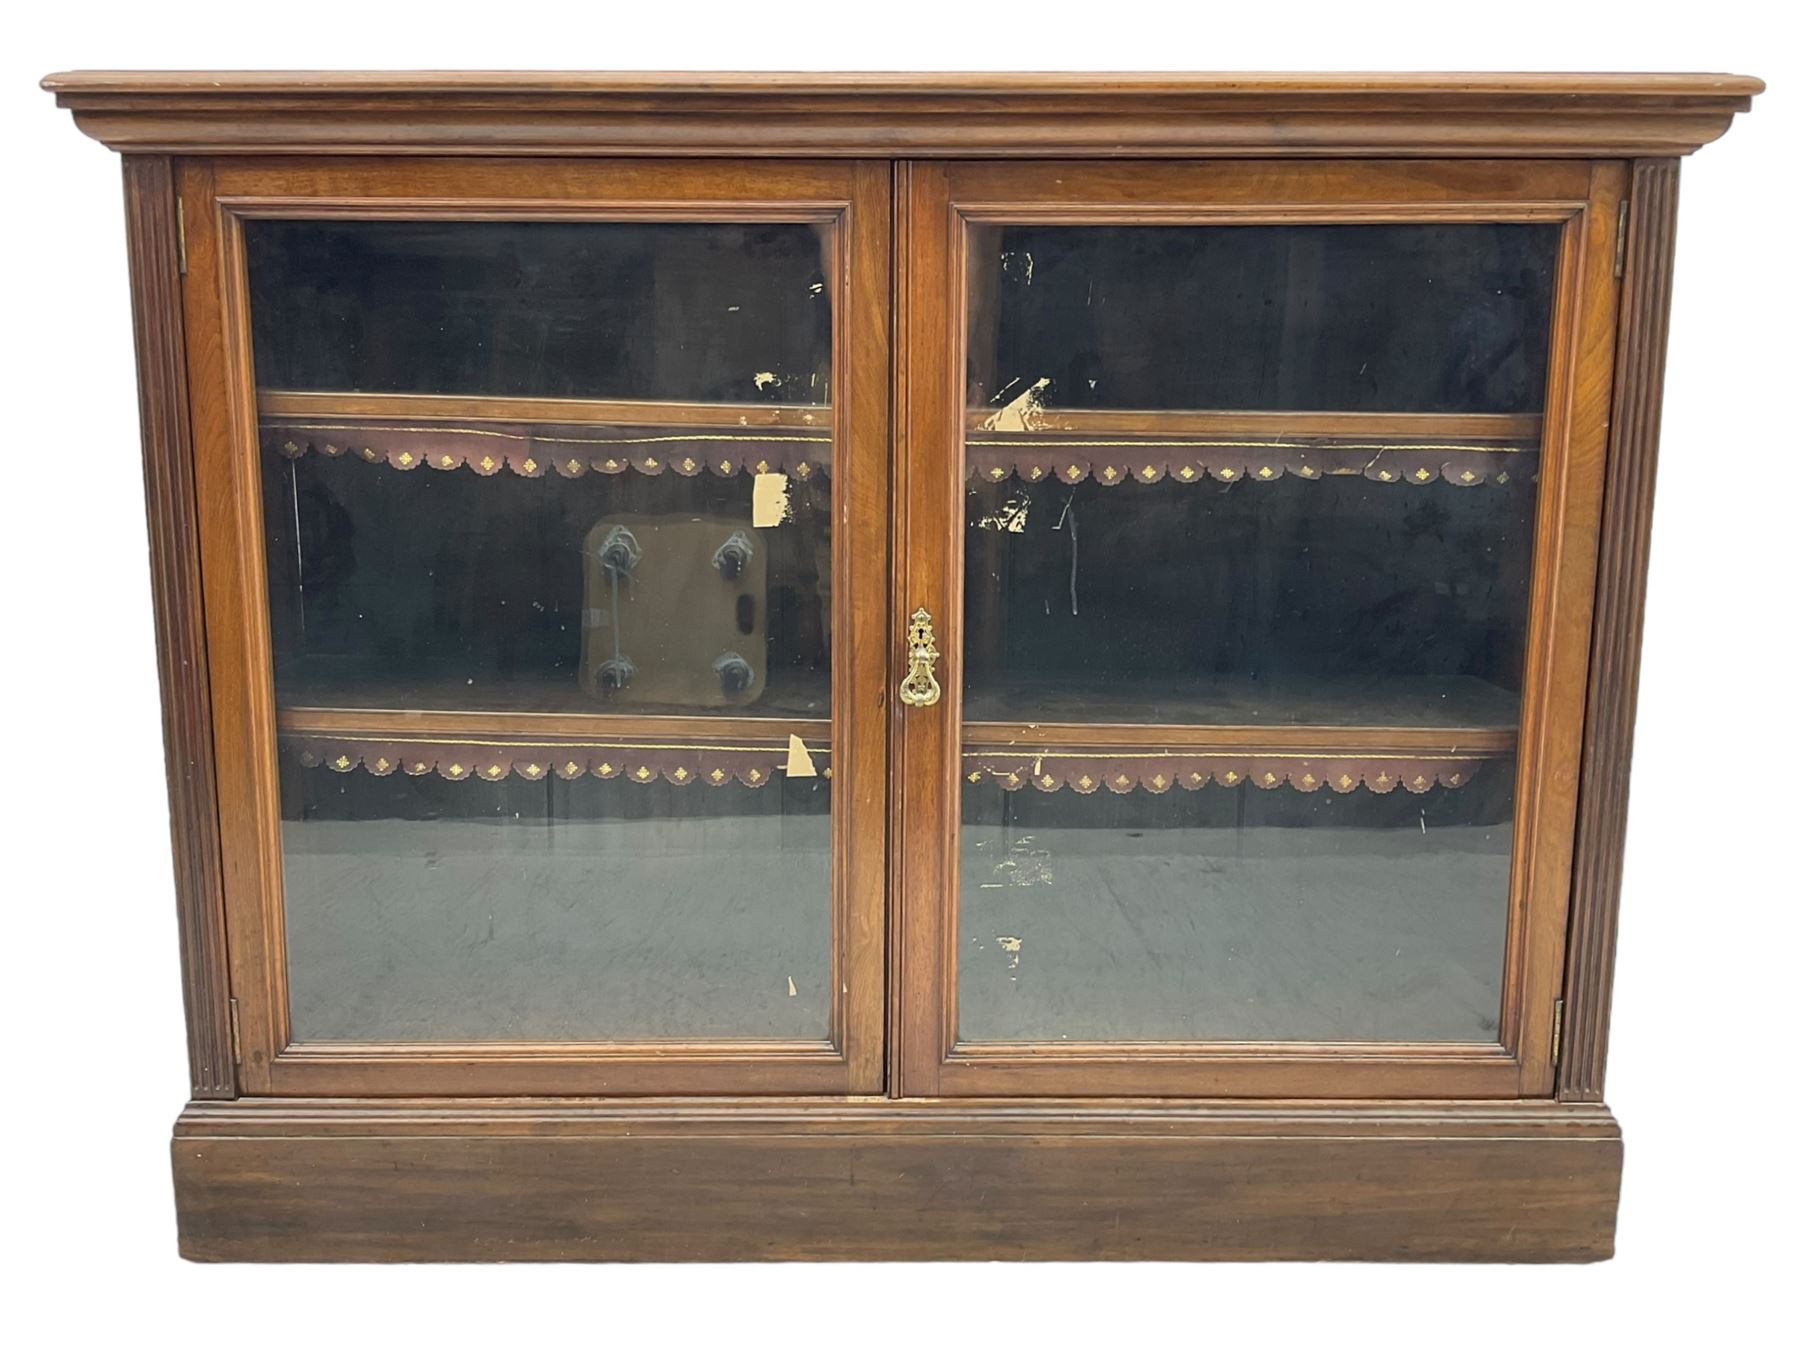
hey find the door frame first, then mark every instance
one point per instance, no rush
(936, 202)
(214, 198)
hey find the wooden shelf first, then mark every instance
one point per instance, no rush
(1342, 735)
(533, 437)
(458, 409)
(312, 690)
(1013, 422)
(1113, 446)
(537, 728)
(457, 745)
(1224, 711)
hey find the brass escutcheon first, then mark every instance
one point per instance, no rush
(920, 687)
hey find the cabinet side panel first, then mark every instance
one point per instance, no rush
(1618, 626)
(153, 245)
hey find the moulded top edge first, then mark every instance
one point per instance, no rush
(1010, 84)
(907, 115)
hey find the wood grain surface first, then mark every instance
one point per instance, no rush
(639, 113)
(894, 1181)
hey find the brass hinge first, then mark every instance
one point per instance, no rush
(1556, 1019)
(1619, 241)
(180, 237)
(237, 1042)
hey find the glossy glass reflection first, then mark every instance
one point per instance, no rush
(1248, 542)
(547, 515)
(420, 909)
(1351, 318)
(1339, 602)
(704, 312)
(1234, 914)
(448, 590)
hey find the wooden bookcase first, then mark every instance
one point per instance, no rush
(850, 667)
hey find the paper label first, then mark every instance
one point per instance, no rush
(769, 500)
(799, 761)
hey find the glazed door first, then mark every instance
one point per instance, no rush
(1249, 552)
(543, 515)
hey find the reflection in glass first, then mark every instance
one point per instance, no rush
(524, 485)
(542, 308)
(1246, 505)
(425, 910)
(448, 590)
(1348, 318)
(1339, 602)
(1234, 914)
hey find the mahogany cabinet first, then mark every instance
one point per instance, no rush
(898, 666)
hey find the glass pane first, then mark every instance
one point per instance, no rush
(1247, 544)
(1280, 603)
(1351, 318)
(1234, 914)
(547, 509)
(423, 910)
(558, 310)
(453, 591)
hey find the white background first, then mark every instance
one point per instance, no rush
(94, 1067)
